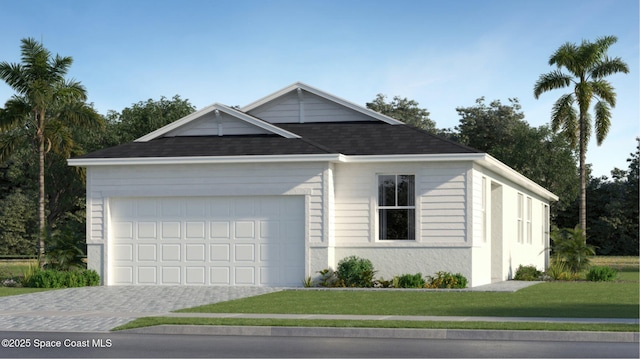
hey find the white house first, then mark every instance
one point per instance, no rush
(284, 187)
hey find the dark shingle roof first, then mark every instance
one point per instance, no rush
(374, 138)
(348, 138)
(187, 146)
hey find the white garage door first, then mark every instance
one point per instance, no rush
(207, 241)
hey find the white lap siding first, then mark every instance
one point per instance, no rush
(299, 179)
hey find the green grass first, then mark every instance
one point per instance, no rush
(551, 299)
(6, 291)
(151, 321)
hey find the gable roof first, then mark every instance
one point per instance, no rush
(216, 108)
(371, 138)
(302, 86)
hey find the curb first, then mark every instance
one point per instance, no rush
(448, 334)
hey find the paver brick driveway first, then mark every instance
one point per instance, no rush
(102, 308)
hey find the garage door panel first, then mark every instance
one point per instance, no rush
(244, 230)
(220, 252)
(245, 253)
(171, 275)
(195, 275)
(207, 240)
(147, 252)
(123, 275)
(195, 230)
(195, 252)
(171, 252)
(245, 275)
(123, 252)
(147, 230)
(147, 275)
(220, 230)
(171, 230)
(220, 275)
(123, 230)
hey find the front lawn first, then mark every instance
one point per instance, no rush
(6, 291)
(549, 299)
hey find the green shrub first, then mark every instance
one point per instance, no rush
(447, 280)
(329, 278)
(529, 273)
(50, 278)
(601, 274)
(557, 270)
(410, 281)
(356, 272)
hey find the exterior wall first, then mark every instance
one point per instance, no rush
(312, 108)
(392, 261)
(442, 216)
(529, 251)
(104, 182)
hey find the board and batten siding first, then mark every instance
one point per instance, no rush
(104, 182)
(441, 211)
(211, 125)
(288, 109)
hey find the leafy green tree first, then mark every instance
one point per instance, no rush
(404, 110)
(613, 214)
(587, 65)
(144, 117)
(42, 112)
(501, 131)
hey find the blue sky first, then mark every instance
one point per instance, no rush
(443, 54)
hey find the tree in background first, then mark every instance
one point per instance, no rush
(404, 110)
(144, 117)
(587, 65)
(43, 112)
(501, 131)
(613, 210)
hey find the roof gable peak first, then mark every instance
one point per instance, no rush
(299, 87)
(218, 110)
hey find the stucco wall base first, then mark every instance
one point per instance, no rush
(390, 262)
(95, 256)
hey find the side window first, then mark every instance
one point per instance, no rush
(396, 207)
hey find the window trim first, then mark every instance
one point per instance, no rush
(378, 207)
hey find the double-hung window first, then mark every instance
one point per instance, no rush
(396, 207)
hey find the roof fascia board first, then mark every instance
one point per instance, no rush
(325, 95)
(414, 158)
(175, 124)
(500, 168)
(222, 108)
(87, 162)
(255, 121)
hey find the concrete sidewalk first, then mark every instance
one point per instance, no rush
(99, 309)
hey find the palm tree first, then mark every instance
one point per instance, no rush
(587, 65)
(43, 111)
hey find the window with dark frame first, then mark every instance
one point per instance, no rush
(396, 207)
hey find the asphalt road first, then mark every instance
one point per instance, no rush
(120, 344)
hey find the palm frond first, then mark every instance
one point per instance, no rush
(10, 142)
(604, 91)
(564, 56)
(603, 120)
(564, 115)
(551, 81)
(608, 67)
